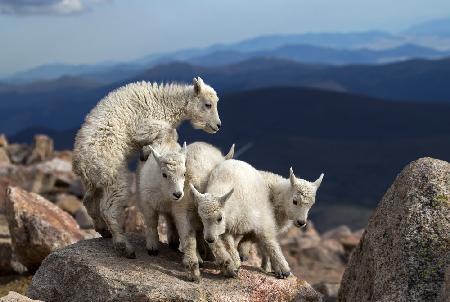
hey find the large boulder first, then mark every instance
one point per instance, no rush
(38, 227)
(91, 271)
(405, 250)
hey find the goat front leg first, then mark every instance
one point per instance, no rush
(151, 229)
(230, 246)
(272, 250)
(189, 246)
(172, 233)
(265, 262)
(223, 258)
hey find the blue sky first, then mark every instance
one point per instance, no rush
(89, 31)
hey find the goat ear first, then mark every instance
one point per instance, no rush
(198, 83)
(319, 181)
(197, 194)
(292, 176)
(230, 153)
(225, 197)
(184, 149)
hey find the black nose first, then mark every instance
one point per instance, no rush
(177, 194)
(218, 126)
(301, 223)
(210, 240)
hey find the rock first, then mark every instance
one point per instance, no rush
(134, 221)
(68, 203)
(37, 226)
(349, 243)
(4, 183)
(16, 297)
(338, 233)
(42, 149)
(6, 252)
(328, 290)
(46, 178)
(405, 250)
(3, 141)
(4, 157)
(91, 268)
(75, 207)
(18, 153)
(65, 155)
(444, 295)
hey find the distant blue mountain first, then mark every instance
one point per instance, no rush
(440, 27)
(371, 47)
(322, 55)
(105, 72)
(54, 103)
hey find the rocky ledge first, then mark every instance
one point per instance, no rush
(90, 271)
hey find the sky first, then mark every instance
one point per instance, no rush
(36, 32)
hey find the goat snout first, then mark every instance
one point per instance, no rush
(177, 195)
(300, 223)
(210, 240)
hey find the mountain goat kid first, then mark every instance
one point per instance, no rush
(180, 211)
(120, 125)
(291, 199)
(160, 184)
(237, 202)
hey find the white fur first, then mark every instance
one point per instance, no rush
(121, 124)
(201, 158)
(247, 211)
(283, 193)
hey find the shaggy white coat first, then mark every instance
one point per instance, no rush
(121, 124)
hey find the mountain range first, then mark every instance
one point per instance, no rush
(62, 103)
(429, 40)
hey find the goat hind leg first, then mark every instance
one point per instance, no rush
(112, 207)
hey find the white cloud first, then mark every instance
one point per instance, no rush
(45, 7)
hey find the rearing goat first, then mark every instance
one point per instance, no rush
(120, 125)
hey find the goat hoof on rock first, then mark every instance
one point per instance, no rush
(282, 275)
(174, 245)
(152, 252)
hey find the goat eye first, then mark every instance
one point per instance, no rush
(208, 106)
(219, 219)
(295, 202)
(164, 175)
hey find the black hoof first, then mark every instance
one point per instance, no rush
(282, 275)
(174, 245)
(131, 255)
(152, 252)
(105, 233)
(243, 258)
